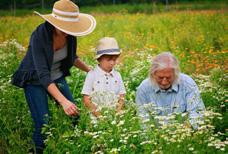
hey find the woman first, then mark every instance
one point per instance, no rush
(51, 53)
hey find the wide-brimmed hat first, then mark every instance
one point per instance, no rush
(66, 17)
(107, 46)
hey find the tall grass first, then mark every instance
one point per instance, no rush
(114, 133)
(199, 35)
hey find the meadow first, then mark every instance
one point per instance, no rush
(199, 39)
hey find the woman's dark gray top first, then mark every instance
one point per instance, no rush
(59, 55)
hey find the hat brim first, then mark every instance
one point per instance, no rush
(84, 26)
(113, 53)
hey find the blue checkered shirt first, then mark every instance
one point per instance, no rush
(183, 96)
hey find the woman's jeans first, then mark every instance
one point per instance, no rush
(37, 99)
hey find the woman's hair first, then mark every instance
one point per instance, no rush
(162, 61)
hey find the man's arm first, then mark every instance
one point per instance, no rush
(194, 104)
(141, 102)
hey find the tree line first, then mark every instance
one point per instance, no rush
(27, 4)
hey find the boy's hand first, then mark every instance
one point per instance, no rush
(96, 113)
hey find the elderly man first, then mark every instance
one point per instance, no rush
(167, 91)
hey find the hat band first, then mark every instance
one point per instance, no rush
(64, 18)
(65, 13)
(107, 51)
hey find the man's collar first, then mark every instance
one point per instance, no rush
(103, 73)
(156, 87)
(174, 87)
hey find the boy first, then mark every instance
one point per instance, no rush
(103, 86)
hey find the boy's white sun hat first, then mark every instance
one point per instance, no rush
(107, 46)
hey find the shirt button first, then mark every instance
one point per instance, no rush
(98, 82)
(106, 82)
(107, 78)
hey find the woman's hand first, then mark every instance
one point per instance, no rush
(70, 108)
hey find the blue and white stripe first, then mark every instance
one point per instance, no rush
(107, 51)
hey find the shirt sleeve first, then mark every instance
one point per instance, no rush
(88, 84)
(194, 104)
(122, 87)
(40, 61)
(141, 102)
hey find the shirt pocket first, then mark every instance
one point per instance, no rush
(178, 107)
(97, 86)
(115, 86)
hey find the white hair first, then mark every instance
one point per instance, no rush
(162, 61)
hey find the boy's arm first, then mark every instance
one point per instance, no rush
(90, 106)
(86, 91)
(120, 103)
(122, 94)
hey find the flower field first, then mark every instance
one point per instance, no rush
(198, 38)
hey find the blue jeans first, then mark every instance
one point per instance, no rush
(37, 99)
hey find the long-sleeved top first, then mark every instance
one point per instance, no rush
(35, 68)
(183, 96)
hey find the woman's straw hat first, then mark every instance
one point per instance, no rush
(65, 16)
(107, 46)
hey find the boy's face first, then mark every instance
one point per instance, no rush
(107, 62)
